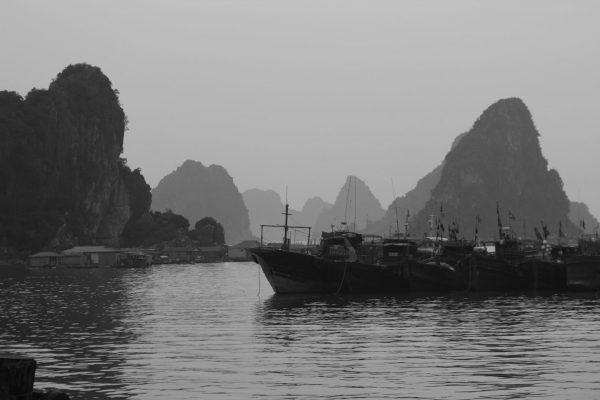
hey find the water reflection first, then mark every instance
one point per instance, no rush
(201, 331)
(72, 322)
(431, 346)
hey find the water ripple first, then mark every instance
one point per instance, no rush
(191, 331)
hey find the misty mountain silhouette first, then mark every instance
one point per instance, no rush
(499, 161)
(196, 191)
(355, 205)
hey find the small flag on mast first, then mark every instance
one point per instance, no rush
(560, 231)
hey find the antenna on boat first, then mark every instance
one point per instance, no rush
(500, 233)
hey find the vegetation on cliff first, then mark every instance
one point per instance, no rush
(208, 232)
(155, 227)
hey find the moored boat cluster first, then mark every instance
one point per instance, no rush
(348, 262)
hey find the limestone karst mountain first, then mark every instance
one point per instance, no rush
(63, 182)
(354, 206)
(265, 207)
(498, 162)
(196, 191)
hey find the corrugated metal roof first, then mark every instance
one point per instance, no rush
(44, 254)
(90, 249)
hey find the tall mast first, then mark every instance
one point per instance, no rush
(286, 243)
(355, 229)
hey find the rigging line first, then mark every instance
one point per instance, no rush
(258, 294)
(348, 181)
(343, 278)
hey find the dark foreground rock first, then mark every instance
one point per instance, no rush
(49, 395)
(17, 375)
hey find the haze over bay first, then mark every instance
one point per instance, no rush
(279, 93)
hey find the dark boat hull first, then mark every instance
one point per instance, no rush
(490, 273)
(583, 272)
(433, 275)
(542, 274)
(291, 272)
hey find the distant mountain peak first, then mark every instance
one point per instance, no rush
(355, 205)
(190, 164)
(499, 161)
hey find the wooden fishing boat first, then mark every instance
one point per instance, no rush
(344, 262)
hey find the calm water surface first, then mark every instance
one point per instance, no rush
(217, 331)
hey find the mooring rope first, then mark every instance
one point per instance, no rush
(258, 294)
(343, 278)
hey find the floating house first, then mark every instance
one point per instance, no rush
(211, 254)
(45, 259)
(91, 256)
(178, 254)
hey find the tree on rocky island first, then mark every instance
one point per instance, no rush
(154, 227)
(208, 232)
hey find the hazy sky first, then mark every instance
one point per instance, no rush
(303, 93)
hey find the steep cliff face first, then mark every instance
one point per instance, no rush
(265, 208)
(499, 161)
(196, 191)
(355, 205)
(60, 162)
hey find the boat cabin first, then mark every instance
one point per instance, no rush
(397, 250)
(341, 246)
